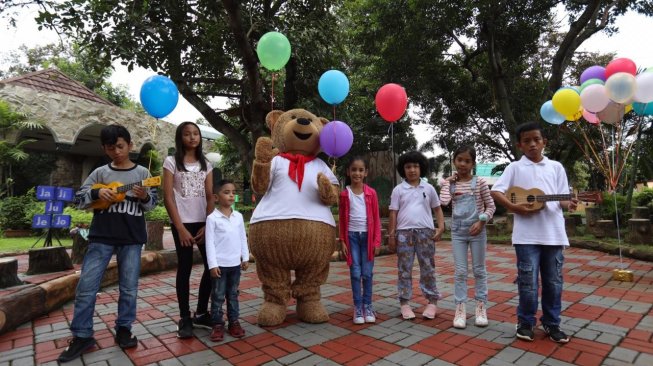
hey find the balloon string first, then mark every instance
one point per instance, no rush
(274, 76)
(149, 164)
(334, 112)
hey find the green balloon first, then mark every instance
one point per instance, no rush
(590, 82)
(273, 50)
(650, 69)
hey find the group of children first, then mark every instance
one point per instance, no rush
(201, 214)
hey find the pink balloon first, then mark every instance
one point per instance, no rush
(620, 65)
(590, 117)
(594, 98)
(612, 114)
(391, 102)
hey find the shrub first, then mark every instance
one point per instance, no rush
(644, 198)
(158, 213)
(608, 207)
(16, 212)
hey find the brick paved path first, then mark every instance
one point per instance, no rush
(611, 323)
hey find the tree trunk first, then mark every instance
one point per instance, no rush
(49, 259)
(80, 246)
(9, 272)
(154, 235)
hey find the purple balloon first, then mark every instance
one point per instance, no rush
(336, 139)
(593, 72)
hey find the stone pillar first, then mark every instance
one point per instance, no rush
(605, 229)
(510, 221)
(641, 213)
(592, 215)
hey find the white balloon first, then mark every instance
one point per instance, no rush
(594, 98)
(621, 87)
(644, 93)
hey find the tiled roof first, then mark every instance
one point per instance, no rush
(54, 81)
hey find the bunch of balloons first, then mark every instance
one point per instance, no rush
(336, 137)
(605, 94)
(159, 96)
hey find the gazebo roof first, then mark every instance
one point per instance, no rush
(54, 81)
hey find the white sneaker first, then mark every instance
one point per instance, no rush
(481, 315)
(358, 315)
(460, 319)
(370, 316)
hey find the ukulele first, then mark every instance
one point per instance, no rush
(518, 195)
(120, 190)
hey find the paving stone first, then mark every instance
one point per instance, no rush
(25, 361)
(529, 358)
(644, 359)
(295, 357)
(16, 353)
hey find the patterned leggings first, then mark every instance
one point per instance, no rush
(409, 243)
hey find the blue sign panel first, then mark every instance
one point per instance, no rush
(45, 193)
(61, 221)
(54, 207)
(41, 221)
(64, 194)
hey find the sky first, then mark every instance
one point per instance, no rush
(632, 41)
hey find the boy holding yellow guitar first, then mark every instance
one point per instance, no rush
(118, 226)
(539, 235)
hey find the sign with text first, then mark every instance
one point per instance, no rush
(55, 199)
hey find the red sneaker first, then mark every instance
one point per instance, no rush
(236, 330)
(217, 334)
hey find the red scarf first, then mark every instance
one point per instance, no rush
(296, 168)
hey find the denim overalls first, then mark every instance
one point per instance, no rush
(464, 215)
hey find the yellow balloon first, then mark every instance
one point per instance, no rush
(575, 117)
(629, 108)
(566, 101)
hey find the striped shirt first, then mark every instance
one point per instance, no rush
(484, 201)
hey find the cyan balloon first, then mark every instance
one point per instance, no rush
(643, 109)
(550, 115)
(333, 87)
(159, 96)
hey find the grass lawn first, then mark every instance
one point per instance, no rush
(8, 245)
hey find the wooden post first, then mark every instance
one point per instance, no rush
(49, 259)
(640, 231)
(9, 272)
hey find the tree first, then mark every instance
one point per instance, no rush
(11, 120)
(208, 49)
(478, 68)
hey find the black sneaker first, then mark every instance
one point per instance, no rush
(203, 321)
(555, 334)
(525, 332)
(125, 339)
(185, 328)
(76, 346)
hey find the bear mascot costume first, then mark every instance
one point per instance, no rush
(292, 227)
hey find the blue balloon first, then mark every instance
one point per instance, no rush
(333, 87)
(159, 96)
(643, 109)
(550, 115)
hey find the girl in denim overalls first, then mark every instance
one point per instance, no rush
(472, 208)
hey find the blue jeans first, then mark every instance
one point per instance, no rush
(545, 260)
(460, 241)
(361, 268)
(95, 263)
(225, 286)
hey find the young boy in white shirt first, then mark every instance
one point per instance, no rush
(539, 236)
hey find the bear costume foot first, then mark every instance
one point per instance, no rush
(312, 312)
(271, 314)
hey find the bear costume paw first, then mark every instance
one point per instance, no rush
(312, 312)
(271, 314)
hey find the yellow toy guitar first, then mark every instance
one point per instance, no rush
(120, 190)
(518, 195)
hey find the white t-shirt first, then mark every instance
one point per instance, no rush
(414, 205)
(189, 189)
(226, 242)
(283, 199)
(547, 226)
(357, 213)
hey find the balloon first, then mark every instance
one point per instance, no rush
(593, 72)
(612, 114)
(333, 87)
(620, 65)
(628, 108)
(575, 116)
(159, 96)
(650, 69)
(336, 139)
(550, 115)
(590, 82)
(566, 101)
(644, 93)
(391, 102)
(591, 117)
(621, 87)
(594, 98)
(643, 109)
(273, 50)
